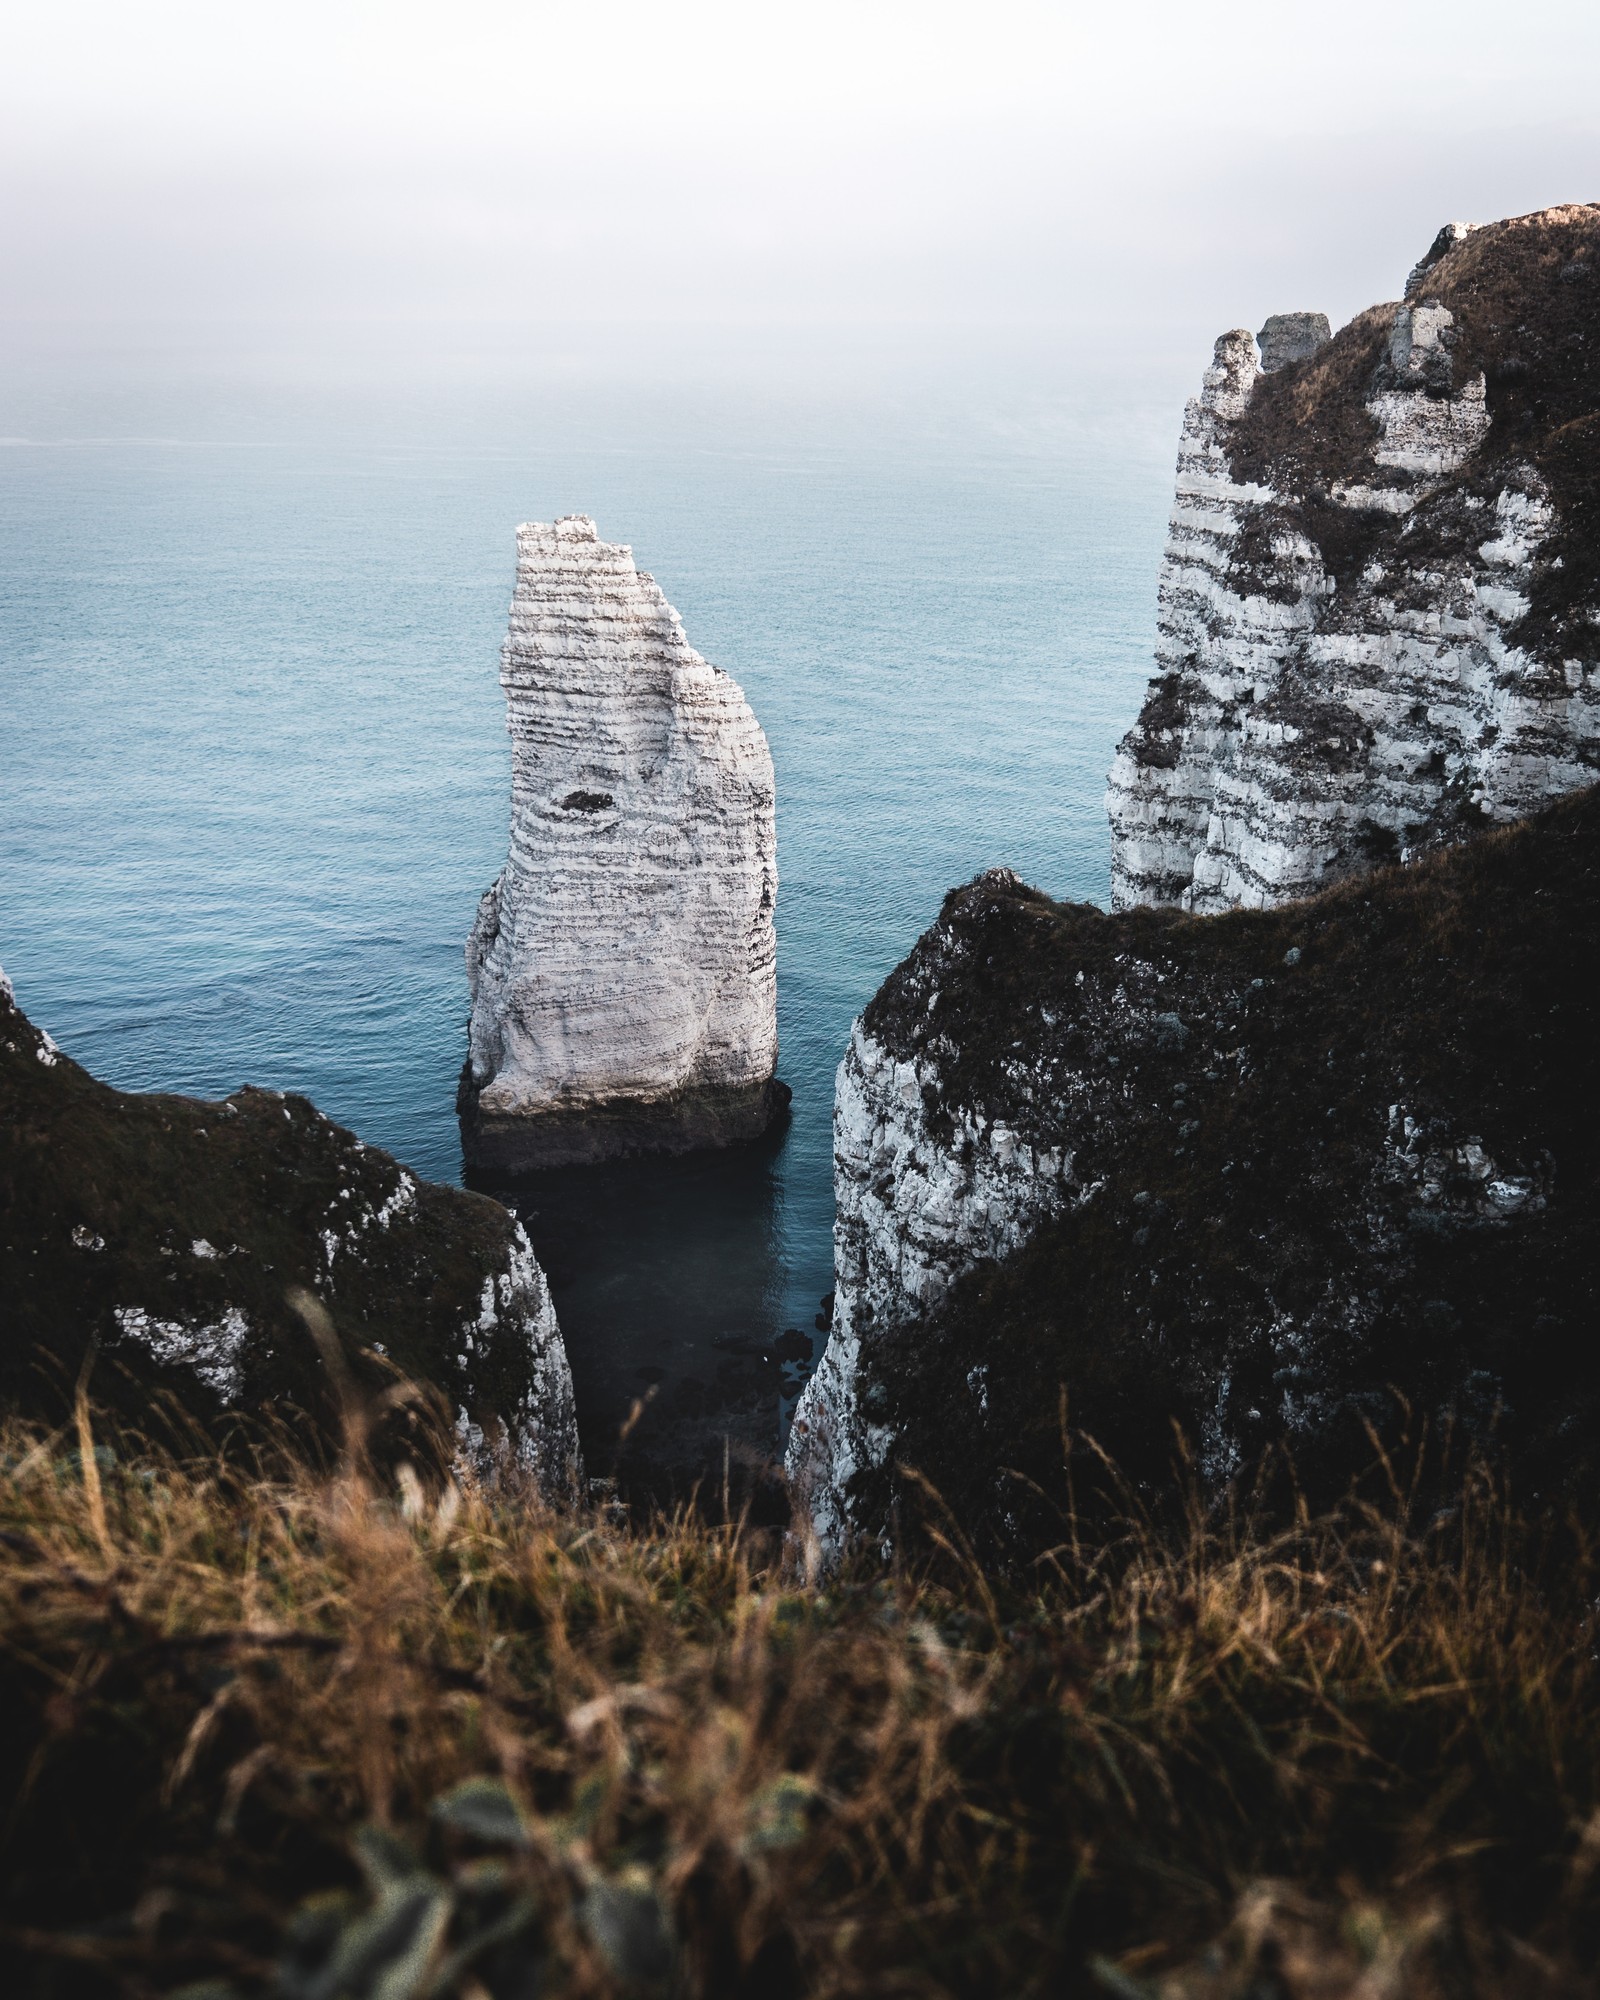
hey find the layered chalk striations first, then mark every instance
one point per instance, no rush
(1378, 607)
(622, 967)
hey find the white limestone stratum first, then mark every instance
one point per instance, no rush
(622, 966)
(1304, 723)
(913, 1208)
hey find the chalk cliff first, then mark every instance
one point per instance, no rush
(1245, 1172)
(622, 973)
(1379, 609)
(924, 1187)
(165, 1234)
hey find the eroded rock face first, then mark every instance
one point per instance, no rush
(1379, 609)
(622, 967)
(1248, 1174)
(1243, 1175)
(169, 1233)
(924, 1188)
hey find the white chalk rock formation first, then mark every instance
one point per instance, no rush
(622, 967)
(1376, 616)
(1379, 627)
(914, 1207)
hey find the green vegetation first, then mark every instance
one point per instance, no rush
(350, 1735)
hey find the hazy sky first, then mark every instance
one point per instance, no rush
(316, 176)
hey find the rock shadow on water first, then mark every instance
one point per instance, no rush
(668, 1279)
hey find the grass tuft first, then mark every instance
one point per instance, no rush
(268, 1731)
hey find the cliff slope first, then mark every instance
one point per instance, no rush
(167, 1233)
(624, 996)
(1247, 1173)
(1379, 609)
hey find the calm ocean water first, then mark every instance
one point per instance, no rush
(254, 772)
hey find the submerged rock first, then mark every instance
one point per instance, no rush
(164, 1235)
(624, 995)
(1379, 609)
(1364, 1161)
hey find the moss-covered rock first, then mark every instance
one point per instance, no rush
(1273, 1169)
(164, 1235)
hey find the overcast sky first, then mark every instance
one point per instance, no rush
(309, 176)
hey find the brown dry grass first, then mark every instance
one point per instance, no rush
(326, 1736)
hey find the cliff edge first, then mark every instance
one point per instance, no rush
(1308, 1121)
(1252, 1174)
(164, 1235)
(1379, 608)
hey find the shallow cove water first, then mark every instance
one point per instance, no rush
(255, 773)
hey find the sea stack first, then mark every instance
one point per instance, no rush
(622, 966)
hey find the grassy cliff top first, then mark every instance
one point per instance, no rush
(309, 1737)
(1525, 297)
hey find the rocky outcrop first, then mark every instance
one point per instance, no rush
(1250, 1175)
(165, 1236)
(1244, 1174)
(1289, 337)
(622, 967)
(1379, 609)
(923, 1190)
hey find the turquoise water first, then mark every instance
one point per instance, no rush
(255, 773)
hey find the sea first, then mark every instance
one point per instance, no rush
(254, 772)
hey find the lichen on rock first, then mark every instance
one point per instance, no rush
(622, 967)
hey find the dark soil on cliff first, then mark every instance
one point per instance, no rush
(185, 1211)
(1525, 295)
(1343, 1162)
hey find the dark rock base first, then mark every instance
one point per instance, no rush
(617, 1129)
